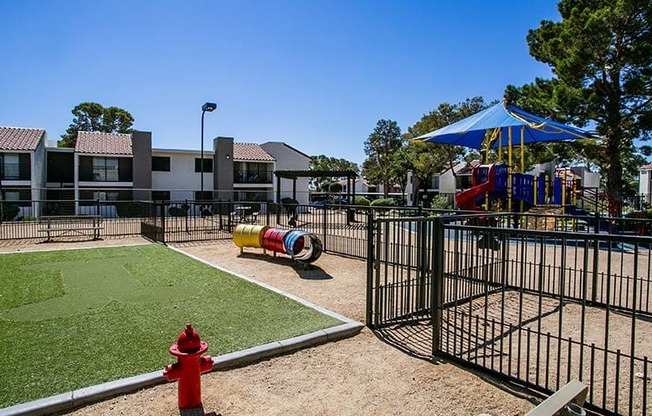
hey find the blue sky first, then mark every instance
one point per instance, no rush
(316, 74)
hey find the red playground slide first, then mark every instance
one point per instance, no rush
(466, 199)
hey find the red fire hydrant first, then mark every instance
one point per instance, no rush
(189, 367)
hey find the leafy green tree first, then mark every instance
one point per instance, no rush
(601, 56)
(335, 187)
(427, 159)
(323, 162)
(95, 117)
(379, 147)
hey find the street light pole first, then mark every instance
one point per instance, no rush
(204, 108)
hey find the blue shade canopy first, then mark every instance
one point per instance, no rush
(495, 122)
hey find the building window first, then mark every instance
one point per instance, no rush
(160, 164)
(465, 181)
(11, 167)
(252, 172)
(207, 196)
(105, 169)
(435, 182)
(208, 165)
(11, 196)
(160, 195)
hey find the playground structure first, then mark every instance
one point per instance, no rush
(494, 186)
(495, 131)
(302, 246)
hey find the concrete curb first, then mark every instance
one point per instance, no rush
(67, 402)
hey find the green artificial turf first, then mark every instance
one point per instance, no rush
(75, 318)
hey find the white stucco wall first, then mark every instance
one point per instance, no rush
(181, 180)
(447, 183)
(645, 177)
(289, 159)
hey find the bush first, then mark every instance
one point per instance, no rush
(272, 207)
(290, 205)
(29, 218)
(335, 187)
(9, 211)
(289, 201)
(361, 200)
(128, 209)
(384, 202)
(440, 202)
(181, 211)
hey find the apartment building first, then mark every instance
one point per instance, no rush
(22, 155)
(125, 167)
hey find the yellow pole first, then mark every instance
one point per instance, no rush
(509, 169)
(522, 149)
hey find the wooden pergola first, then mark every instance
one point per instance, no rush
(350, 176)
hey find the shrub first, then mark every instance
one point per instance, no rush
(384, 202)
(290, 205)
(180, 211)
(440, 202)
(29, 218)
(128, 209)
(272, 207)
(335, 187)
(289, 201)
(9, 211)
(361, 200)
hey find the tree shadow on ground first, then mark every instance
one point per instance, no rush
(304, 270)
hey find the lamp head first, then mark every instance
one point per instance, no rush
(209, 107)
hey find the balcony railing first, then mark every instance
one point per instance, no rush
(245, 176)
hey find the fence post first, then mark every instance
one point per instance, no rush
(220, 209)
(162, 211)
(97, 207)
(370, 267)
(267, 213)
(437, 288)
(422, 264)
(187, 212)
(324, 227)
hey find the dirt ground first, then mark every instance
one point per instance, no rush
(361, 375)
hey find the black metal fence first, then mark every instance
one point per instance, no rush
(536, 299)
(342, 229)
(535, 307)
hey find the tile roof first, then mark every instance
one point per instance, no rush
(250, 151)
(646, 167)
(19, 138)
(103, 143)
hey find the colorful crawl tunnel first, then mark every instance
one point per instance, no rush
(300, 245)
